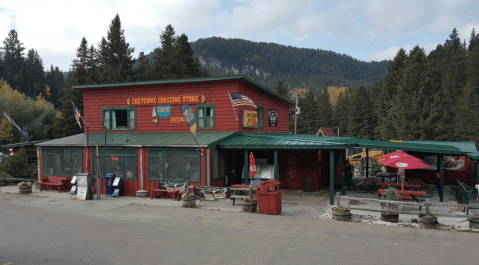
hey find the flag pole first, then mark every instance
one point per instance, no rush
(236, 116)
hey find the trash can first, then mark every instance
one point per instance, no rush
(109, 177)
(269, 198)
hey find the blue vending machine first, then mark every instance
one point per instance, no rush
(109, 178)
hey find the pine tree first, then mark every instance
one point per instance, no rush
(14, 58)
(326, 116)
(65, 123)
(281, 88)
(307, 120)
(115, 55)
(143, 71)
(362, 120)
(33, 77)
(342, 112)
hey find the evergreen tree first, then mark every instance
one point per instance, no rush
(362, 121)
(116, 55)
(281, 88)
(65, 123)
(326, 115)
(342, 112)
(33, 77)
(144, 68)
(17, 165)
(307, 120)
(14, 59)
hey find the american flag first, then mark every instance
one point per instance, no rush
(77, 114)
(238, 100)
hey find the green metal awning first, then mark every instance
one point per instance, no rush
(152, 139)
(473, 155)
(22, 144)
(278, 142)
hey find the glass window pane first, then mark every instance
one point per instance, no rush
(155, 168)
(130, 151)
(120, 118)
(131, 124)
(192, 153)
(48, 164)
(131, 167)
(154, 152)
(210, 122)
(201, 123)
(114, 151)
(76, 164)
(209, 112)
(114, 164)
(192, 169)
(201, 112)
(102, 166)
(132, 114)
(173, 166)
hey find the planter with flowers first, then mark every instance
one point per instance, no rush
(341, 213)
(427, 221)
(249, 205)
(24, 187)
(189, 200)
(36, 184)
(391, 194)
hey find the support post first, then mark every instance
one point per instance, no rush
(331, 177)
(367, 162)
(245, 168)
(276, 165)
(440, 166)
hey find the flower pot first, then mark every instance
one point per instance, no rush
(474, 222)
(390, 217)
(342, 216)
(189, 202)
(250, 207)
(24, 189)
(425, 222)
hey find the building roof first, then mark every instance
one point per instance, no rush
(187, 81)
(148, 139)
(324, 131)
(23, 144)
(278, 142)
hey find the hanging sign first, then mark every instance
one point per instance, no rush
(250, 119)
(273, 115)
(163, 111)
(166, 100)
(177, 120)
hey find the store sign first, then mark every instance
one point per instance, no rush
(177, 120)
(163, 111)
(273, 116)
(450, 162)
(166, 100)
(250, 119)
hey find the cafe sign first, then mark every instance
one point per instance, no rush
(250, 119)
(163, 111)
(200, 99)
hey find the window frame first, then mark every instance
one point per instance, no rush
(185, 157)
(52, 154)
(109, 120)
(204, 107)
(123, 156)
(260, 113)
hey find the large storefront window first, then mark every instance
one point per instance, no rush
(174, 165)
(64, 162)
(122, 162)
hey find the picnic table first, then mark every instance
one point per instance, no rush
(407, 194)
(394, 184)
(238, 190)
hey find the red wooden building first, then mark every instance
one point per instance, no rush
(143, 137)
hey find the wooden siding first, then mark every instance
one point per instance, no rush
(216, 92)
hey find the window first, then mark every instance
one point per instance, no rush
(205, 116)
(31, 156)
(121, 161)
(174, 165)
(62, 161)
(119, 119)
(260, 112)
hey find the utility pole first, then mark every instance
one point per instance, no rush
(296, 110)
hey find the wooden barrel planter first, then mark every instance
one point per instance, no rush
(189, 202)
(24, 189)
(250, 207)
(474, 222)
(427, 221)
(342, 216)
(390, 217)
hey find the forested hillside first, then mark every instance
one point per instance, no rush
(296, 67)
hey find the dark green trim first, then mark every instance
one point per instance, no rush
(331, 177)
(205, 118)
(245, 167)
(128, 118)
(187, 81)
(440, 166)
(282, 147)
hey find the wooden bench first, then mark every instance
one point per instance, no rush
(162, 193)
(54, 184)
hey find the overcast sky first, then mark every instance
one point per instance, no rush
(364, 29)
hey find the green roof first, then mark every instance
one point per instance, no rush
(156, 139)
(187, 81)
(474, 155)
(278, 142)
(22, 144)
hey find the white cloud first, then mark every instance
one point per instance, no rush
(390, 53)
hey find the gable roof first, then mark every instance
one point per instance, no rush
(324, 131)
(191, 80)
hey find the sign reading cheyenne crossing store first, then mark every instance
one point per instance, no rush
(163, 100)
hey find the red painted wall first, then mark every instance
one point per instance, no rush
(216, 92)
(293, 165)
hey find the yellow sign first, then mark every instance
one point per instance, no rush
(177, 120)
(167, 100)
(250, 119)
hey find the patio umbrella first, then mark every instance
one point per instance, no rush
(404, 161)
(252, 173)
(397, 155)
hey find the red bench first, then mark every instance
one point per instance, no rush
(162, 193)
(54, 184)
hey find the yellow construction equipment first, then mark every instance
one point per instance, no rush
(355, 159)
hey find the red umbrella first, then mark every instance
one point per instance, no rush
(403, 161)
(252, 165)
(397, 155)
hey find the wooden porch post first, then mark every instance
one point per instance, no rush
(367, 162)
(276, 166)
(331, 177)
(440, 167)
(245, 167)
